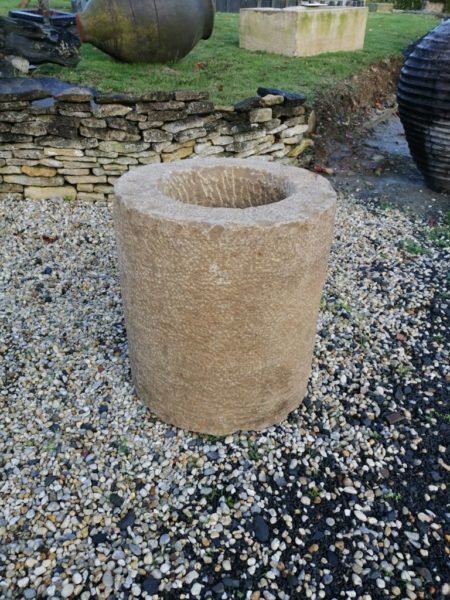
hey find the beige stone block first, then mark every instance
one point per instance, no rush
(260, 115)
(300, 148)
(27, 153)
(253, 134)
(208, 150)
(85, 187)
(150, 160)
(10, 170)
(44, 193)
(189, 123)
(75, 179)
(123, 147)
(104, 189)
(16, 196)
(221, 300)
(90, 197)
(95, 123)
(50, 162)
(74, 171)
(121, 160)
(93, 154)
(111, 110)
(301, 31)
(189, 134)
(295, 139)
(293, 121)
(77, 164)
(312, 122)
(178, 154)
(63, 152)
(271, 100)
(35, 181)
(296, 130)
(39, 171)
(222, 140)
(11, 187)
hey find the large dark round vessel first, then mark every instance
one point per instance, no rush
(424, 106)
(146, 30)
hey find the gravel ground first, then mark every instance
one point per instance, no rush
(345, 499)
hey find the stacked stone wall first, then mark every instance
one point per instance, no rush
(77, 143)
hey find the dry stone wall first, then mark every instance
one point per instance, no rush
(77, 143)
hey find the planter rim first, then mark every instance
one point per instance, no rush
(308, 194)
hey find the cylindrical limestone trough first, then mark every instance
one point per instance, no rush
(222, 266)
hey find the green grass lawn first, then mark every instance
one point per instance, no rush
(229, 73)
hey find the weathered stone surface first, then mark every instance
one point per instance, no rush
(69, 171)
(122, 124)
(156, 135)
(189, 123)
(288, 111)
(10, 170)
(244, 326)
(295, 139)
(172, 147)
(178, 154)
(63, 152)
(304, 32)
(12, 116)
(111, 110)
(39, 171)
(117, 135)
(254, 134)
(94, 123)
(260, 115)
(90, 197)
(271, 100)
(150, 160)
(85, 179)
(27, 153)
(300, 148)
(187, 95)
(11, 188)
(150, 125)
(44, 193)
(291, 131)
(34, 128)
(208, 149)
(64, 143)
(85, 187)
(35, 181)
(199, 108)
(13, 105)
(75, 94)
(121, 160)
(123, 147)
(190, 134)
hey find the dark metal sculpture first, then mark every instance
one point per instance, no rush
(424, 105)
(146, 30)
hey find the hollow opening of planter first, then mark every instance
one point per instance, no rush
(226, 187)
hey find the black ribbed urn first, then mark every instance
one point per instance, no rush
(423, 96)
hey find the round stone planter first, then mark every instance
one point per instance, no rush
(222, 266)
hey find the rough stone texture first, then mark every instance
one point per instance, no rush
(222, 266)
(300, 31)
(67, 138)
